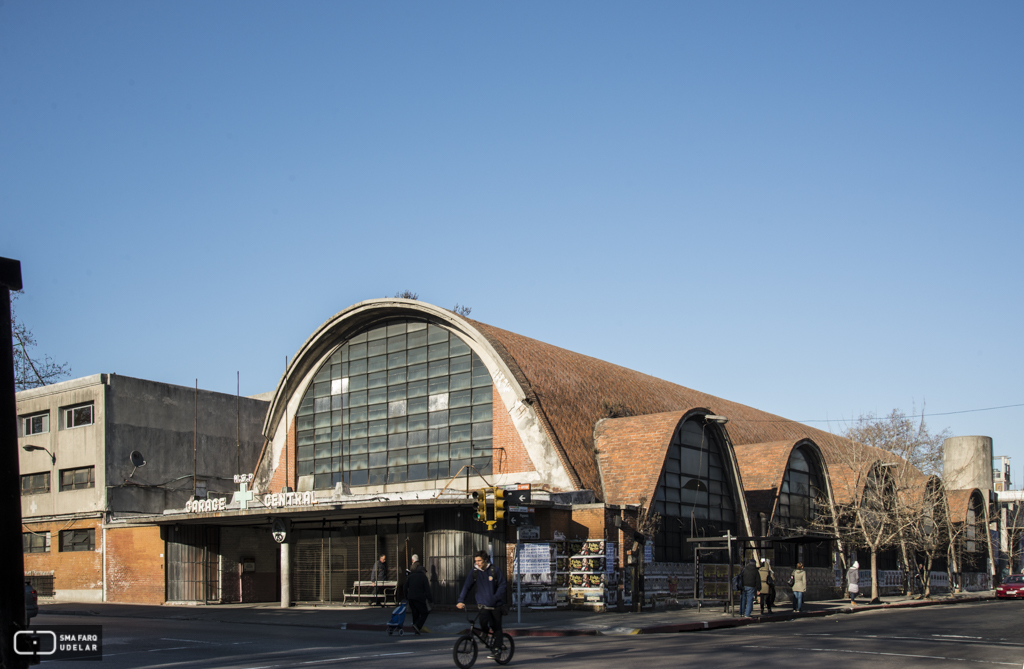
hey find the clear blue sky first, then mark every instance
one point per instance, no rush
(811, 208)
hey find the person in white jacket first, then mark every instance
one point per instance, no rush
(853, 579)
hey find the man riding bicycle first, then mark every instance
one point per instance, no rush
(490, 596)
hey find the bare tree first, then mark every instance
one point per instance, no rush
(407, 295)
(865, 513)
(921, 506)
(901, 434)
(31, 371)
(462, 310)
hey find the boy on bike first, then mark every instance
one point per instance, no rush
(490, 596)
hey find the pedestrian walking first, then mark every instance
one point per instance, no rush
(767, 585)
(490, 587)
(853, 582)
(798, 581)
(417, 593)
(750, 578)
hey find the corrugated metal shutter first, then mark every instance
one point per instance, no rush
(193, 563)
(450, 541)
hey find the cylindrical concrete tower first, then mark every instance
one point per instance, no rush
(967, 463)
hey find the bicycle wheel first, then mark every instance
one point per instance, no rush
(508, 649)
(464, 652)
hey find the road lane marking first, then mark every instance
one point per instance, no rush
(939, 638)
(188, 640)
(333, 659)
(869, 652)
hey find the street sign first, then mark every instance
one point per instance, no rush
(518, 494)
(519, 516)
(529, 533)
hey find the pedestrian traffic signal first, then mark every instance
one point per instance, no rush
(499, 503)
(480, 505)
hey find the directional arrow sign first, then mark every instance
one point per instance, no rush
(517, 495)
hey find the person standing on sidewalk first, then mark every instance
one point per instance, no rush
(853, 581)
(799, 582)
(767, 585)
(378, 574)
(751, 580)
(490, 586)
(417, 592)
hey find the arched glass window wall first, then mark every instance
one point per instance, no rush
(799, 495)
(403, 400)
(695, 494)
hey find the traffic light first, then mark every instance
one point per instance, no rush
(480, 505)
(499, 503)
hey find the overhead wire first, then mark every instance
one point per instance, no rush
(870, 419)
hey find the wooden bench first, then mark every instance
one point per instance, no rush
(384, 590)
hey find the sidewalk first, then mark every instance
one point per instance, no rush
(534, 623)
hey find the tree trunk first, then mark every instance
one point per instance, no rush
(927, 577)
(874, 576)
(908, 578)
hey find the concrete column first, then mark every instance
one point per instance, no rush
(286, 576)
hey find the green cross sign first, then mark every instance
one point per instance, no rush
(244, 496)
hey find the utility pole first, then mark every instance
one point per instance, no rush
(12, 584)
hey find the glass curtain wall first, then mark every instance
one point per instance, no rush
(403, 400)
(695, 496)
(802, 488)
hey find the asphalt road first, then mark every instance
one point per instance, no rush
(984, 633)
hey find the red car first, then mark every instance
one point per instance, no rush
(1012, 586)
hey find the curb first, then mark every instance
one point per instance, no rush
(783, 617)
(514, 631)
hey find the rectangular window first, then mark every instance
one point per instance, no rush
(72, 541)
(77, 479)
(35, 542)
(78, 416)
(35, 424)
(35, 484)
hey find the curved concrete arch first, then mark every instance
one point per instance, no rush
(344, 324)
(628, 475)
(819, 457)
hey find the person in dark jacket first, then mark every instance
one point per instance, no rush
(751, 579)
(417, 592)
(377, 574)
(490, 586)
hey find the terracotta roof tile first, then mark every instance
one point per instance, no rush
(570, 391)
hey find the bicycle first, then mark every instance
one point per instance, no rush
(465, 651)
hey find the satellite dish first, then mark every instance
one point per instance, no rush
(137, 461)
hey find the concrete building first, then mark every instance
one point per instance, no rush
(394, 411)
(106, 448)
(388, 418)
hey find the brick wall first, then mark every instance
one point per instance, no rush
(77, 576)
(261, 585)
(509, 453)
(281, 477)
(135, 565)
(589, 523)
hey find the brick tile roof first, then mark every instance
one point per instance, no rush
(570, 392)
(763, 467)
(959, 502)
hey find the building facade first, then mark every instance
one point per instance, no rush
(394, 412)
(107, 448)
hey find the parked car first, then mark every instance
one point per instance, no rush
(31, 601)
(1012, 586)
